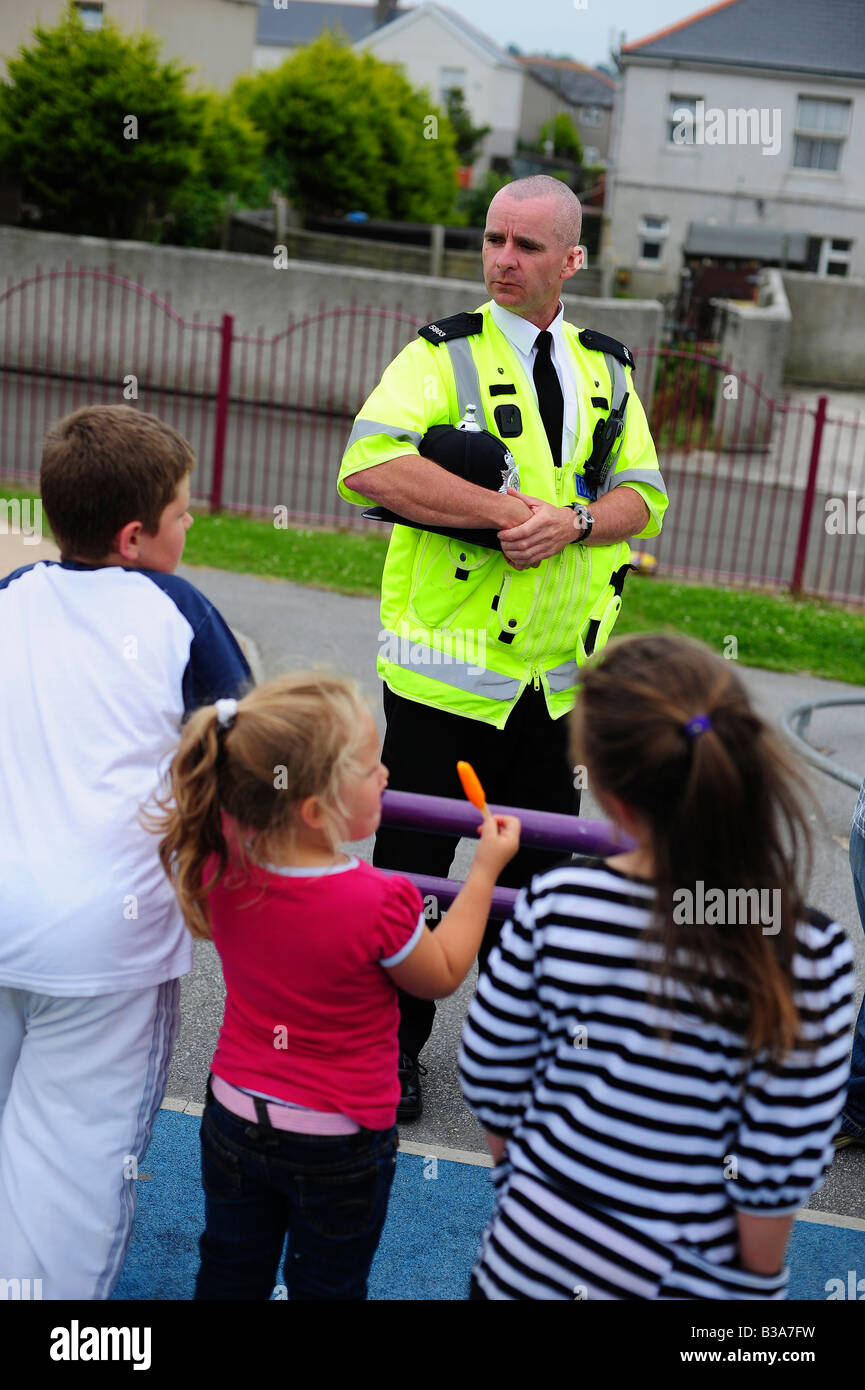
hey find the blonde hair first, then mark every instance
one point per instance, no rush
(293, 738)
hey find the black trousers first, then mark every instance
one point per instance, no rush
(525, 764)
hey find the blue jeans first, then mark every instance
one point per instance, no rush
(328, 1193)
(853, 1114)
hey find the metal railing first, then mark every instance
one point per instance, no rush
(750, 478)
(796, 721)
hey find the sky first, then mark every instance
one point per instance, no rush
(582, 29)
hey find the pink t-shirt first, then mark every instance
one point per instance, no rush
(310, 1015)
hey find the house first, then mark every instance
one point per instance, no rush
(296, 22)
(440, 50)
(215, 37)
(739, 137)
(583, 93)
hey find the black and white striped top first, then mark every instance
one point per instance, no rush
(564, 1053)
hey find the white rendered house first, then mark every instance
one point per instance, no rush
(748, 116)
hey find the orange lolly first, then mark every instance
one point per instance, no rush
(472, 787)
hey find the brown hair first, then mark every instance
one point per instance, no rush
(104, 466)
(292, 738)
(722, 807)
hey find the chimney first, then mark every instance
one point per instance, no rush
(384, 11)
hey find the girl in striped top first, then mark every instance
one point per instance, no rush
(658, 1048)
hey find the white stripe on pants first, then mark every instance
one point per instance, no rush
(81, 1080)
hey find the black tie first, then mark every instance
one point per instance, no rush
(550, 399)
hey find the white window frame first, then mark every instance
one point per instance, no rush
(676, 102)
(826, 137)
(654, 234)
(590, 115)
(461, 86)
(88, 12)
(591, 155)
(829, 256)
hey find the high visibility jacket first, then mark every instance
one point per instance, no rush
(461, 629)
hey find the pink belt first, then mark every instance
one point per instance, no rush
(281, 1116)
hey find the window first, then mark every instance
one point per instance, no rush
(835, 255)
(821, 127)
(451, 79)
(680, 131)
(591, 115)
(653, 234)
(591, 156)
(91, 15)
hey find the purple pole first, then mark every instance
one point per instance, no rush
(540, 829)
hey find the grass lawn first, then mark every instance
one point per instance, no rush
(771, 630)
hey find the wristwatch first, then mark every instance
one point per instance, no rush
(587, 519)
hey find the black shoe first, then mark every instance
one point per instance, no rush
(411, 1101)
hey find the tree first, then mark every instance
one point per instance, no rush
(565, 137)
(473, 202)
(468, 137)
(227, 164)
(345, 131)
(105, 139)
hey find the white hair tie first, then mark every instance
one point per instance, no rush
(226, 712)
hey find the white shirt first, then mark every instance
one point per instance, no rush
(100, 666)
(522, 337)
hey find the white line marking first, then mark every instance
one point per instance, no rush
(479, 1160)
(831, 1218)
(185, 1107)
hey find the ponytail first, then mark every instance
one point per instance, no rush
(667, 727)
(192, 824)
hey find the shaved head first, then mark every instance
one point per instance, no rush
(567, 214)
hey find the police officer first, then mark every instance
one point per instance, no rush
(480, 648)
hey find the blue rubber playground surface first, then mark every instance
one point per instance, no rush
(437, 1212)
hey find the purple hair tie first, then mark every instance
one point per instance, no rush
(698, 725)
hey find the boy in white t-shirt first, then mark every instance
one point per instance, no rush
(105, 653)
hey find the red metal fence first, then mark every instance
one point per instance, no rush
(756, 485)
(752, 481)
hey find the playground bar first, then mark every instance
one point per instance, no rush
(540, 830)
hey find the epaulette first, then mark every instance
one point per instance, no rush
(454, 326)
(599, 342)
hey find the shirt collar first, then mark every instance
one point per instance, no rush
(519, 332)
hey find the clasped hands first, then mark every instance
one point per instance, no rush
(547, 531)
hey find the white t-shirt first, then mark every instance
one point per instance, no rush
(98, 668)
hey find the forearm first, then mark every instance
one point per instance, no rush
(461, 931)
(619, 514)
(421, 490)
(762, 1241)
(496, 1145)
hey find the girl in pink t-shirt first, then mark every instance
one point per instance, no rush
(298, 1135)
